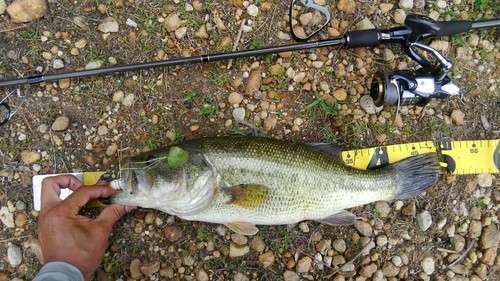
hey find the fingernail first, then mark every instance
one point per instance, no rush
(129, 208)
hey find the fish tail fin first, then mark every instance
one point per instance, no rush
(416, 174)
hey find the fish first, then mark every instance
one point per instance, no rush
(242, 182)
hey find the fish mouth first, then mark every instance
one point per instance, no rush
(131, 181)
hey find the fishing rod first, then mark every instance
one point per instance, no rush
(396, 88)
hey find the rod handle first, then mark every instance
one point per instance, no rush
(423, 27)
(447, 28)
(363, 38)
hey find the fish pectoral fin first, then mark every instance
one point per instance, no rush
(244, 228)
(341, 218)
(248, 196)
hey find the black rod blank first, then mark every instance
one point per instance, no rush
(172, 62)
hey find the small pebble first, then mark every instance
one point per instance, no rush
(14, 255)
(29, 157)
(93, 65)
(339, 245)
(428, 265)
(396, 260)
(239, 114)
(252, 10)
(235, 98)
(457, 116)
(381, 240)
(363, 228)
(236, 251)
(406, 4)
(118, 96)
(128, 100)
(424, 220)
(108, 25)
(304, 227)
(303, 265)
(58, 64)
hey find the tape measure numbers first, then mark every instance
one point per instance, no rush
(459, 157)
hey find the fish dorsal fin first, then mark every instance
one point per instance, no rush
(328, 148)
(248, 196)
(244, 228)
(341, 218)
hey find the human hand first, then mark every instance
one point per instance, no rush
(69, 237)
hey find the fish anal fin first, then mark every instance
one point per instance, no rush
(341, 218)
(244, 228)
(248, 196)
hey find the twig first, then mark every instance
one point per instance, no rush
(246, 123)
(447, 251)
(26, 120)
(462, 256)
(238, 37)
(15, 238)
(16, 27)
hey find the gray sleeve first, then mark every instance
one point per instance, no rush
(59, 271)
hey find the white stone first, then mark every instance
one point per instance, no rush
(239, 114)
(172, 22)
(252, 10)
(428, 265)
(14, 255)
(299, 77)
(406, 4)
(424, 220)
(399, 16)
(108, 25)
(118, 96)
(43, 128)
(365, 24)
(366, 102)
(57, 64)
(181, 32)
(317, 64)
(93, 64)
(128, 100)
(304, 227)
(485, 180)
(131, 23)
(7, 217)
(396, 260)
(3, 6)
(441, 4)
(37, 167)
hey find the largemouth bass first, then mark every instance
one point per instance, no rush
(243, 182)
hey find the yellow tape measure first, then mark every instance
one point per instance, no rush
(459, 157)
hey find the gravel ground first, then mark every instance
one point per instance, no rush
(449, 233)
